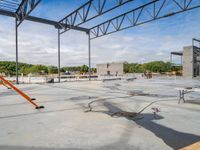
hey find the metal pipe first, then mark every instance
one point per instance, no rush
(59, 55)
(16, 33)
(89, 54)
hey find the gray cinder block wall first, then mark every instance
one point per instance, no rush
(115, 68)
(191, 65)
(188, 62)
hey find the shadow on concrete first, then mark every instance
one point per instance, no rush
(194, 101)
(10, 92)
(80, 106)
(43, 102)
(8, 147)
(171, 137)
(39, 113)
(174, 139)
(78, 98)
(113, 146)
(97, 91)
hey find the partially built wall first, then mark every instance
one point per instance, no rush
(114, 69)
(191, 61)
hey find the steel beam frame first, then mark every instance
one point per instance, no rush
(9, 4)
(89, 11)
(154, 10)
(83, 14)
(38, 20)
(194, 40)
(171, 59)
(89, 54)
(44, 21)
(149, 12)
(24, 9)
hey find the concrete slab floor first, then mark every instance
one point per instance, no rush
(64, 123)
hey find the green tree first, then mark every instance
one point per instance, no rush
(126, 68)
(84, 69)
(52, 69)
(94, 70)
(154, 66)
(38, 69)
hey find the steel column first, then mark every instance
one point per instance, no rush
(59, 55)
(89, 55)
(170, 62)
(182, 61)
(16, 37)
(193, 42)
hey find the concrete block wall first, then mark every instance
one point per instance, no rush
(112, 68)
(191, 64)
(188, 70)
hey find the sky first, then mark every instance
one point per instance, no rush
(149, 42)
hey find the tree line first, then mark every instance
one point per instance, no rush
(154, 66)
(9, 68)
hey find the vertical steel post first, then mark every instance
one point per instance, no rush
(182, 64)
(170, 62)
(193, 42)
(59, 55)
(181, 60)
(89, 54)
(16, 38)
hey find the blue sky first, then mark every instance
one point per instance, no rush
(148, 42)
